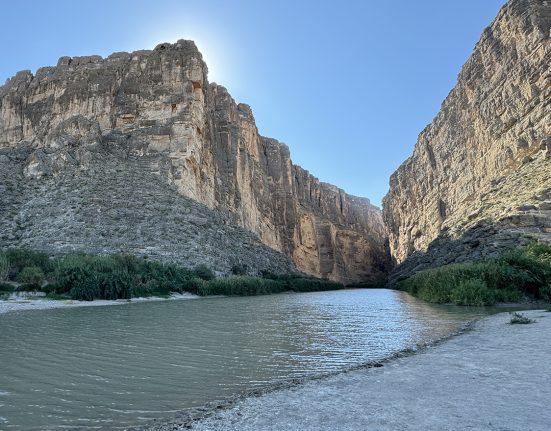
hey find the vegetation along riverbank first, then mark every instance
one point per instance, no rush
(119, 276)
(519, 275)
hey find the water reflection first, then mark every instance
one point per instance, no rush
(110, 367)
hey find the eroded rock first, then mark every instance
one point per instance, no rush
(157, 109)
(485, 155)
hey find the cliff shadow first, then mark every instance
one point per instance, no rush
(487, 239)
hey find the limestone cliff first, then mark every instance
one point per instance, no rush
(154, 113)
(479, 179)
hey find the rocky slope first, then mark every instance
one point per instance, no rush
(106, 140)
(114, 206)
(479, 179)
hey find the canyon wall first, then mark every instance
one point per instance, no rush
(151, 115)
(479, 179)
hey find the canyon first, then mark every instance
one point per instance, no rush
(139, 153)
(479, 180)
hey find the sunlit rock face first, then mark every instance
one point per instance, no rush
(479, 178)
(155, 113)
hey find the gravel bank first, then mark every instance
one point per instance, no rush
(495, 377)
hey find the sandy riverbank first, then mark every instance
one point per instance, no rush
(22, 304)
(495, 377)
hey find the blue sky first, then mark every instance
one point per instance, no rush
(347, 85)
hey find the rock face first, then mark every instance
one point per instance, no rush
(113, 206)
(153, 116)
(479, 179)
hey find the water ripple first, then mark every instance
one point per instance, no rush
(103, 368)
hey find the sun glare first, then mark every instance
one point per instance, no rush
(209, 46)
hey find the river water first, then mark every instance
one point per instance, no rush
(117, 366)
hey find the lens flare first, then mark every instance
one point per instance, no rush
(209, 45)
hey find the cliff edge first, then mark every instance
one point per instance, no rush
(479, 179)
(124, 135)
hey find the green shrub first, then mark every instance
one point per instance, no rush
(268, 274)
(435, 293)
(6, 287)
(519, 318)
(546, 292)
(473, 292)
(246, 286)
(4, 266)
(125, 262)
(86, 277)
(142, 289)
(529, 260)
(232, 286)
(304, 284)
(509, 295)
(192, 285)
(507, 279)
(114, 285)
(240, 286)
(204, 272)
(49, 288)
(122, 276)
(21, 258)
(26, 287)
(86, 289)
(69, 274)
(31, 275)
(540, 251)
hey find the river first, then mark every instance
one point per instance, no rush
(112, 367)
